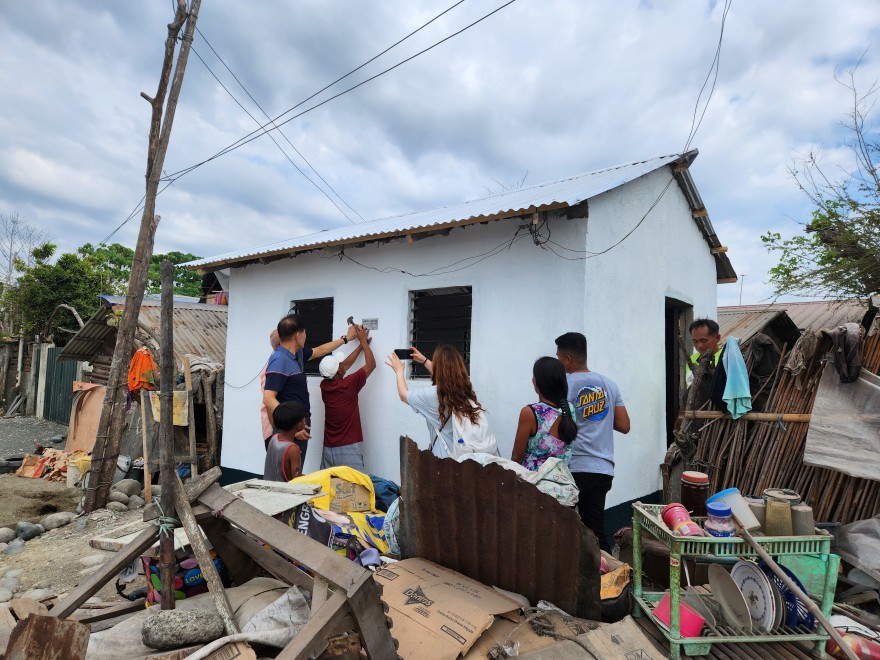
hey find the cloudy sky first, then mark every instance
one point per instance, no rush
(541, 90)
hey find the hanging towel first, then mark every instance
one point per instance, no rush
(737, 395)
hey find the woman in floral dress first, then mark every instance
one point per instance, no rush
(547, 428)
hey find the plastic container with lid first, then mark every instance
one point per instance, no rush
(679, 520)
(734, 500)
(695, 492)
(719, 523)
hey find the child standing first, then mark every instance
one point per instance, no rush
(283, 457)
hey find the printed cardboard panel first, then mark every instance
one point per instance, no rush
(349, 496)
(427, 598)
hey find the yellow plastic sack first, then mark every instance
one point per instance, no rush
(323, 477)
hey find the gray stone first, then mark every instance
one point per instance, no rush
(6, 534)
(43, 584)
(171, 629)
(101, 515)
(3, 546)
(127, 486)
(10, 583)
(14, 573)
(116, 506)
(37, 594)
(14, 547)
(155, 492)
(41, 528)
(135, 502)
(94, 560)
(26, 530)
(5, 595)
(117, 496)
(56, 520)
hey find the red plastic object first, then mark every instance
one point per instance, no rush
(690, 623)
(679, 520)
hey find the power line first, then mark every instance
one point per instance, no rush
(716, 65)
(271, 137)
(177, 175)
(253, 135)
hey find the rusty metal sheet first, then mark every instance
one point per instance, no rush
(812, 315)
(746, 323)
(199, 329)
(489, 525)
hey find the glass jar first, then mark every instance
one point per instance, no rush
(694, 491)
(719, 522)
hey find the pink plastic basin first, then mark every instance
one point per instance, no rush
(691, 623)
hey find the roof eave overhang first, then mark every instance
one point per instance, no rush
(724, 271)
(268, 257)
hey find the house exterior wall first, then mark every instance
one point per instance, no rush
(523, 298)
(623, 314)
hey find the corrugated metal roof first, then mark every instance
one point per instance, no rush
(745, 324)
(544, 196)
(488, 524)
(813, 314)
(199, 329)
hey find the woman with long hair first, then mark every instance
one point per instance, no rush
(547, 428)
(451, 392)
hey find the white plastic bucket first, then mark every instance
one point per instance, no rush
(740, 508)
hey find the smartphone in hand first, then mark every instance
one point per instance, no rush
(403, 353)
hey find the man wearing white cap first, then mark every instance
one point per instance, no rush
(342, 417)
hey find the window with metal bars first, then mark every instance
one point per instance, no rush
(440, 316)
(316, 315)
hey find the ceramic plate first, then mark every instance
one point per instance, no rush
(733, 604)
(779, 603)
(755, 586)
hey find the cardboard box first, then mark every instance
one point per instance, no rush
(438, 613)
(348, 496)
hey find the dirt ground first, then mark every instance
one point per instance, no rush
(53, 559)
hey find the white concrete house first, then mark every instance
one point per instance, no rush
(626, 255)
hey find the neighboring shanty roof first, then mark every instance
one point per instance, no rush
(564, 193)
(811, 315)
(199, 329)
(745, 323)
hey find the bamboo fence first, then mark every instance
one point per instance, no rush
(753, 456)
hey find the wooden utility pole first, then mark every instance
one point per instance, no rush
(166, 437)
(111, 426)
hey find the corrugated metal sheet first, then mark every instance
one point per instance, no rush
(812, 315)
(59, 387)
(745, 324)
(489, 525)
(554, 194)
(199, 329)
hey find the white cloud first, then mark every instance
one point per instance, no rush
(552, 88)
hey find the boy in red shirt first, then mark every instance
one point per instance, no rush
(342, 417)
(283, 457)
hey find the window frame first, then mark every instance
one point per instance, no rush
(426, 346)
(324, 333)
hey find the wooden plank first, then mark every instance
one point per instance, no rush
(116, 544)
(371, 620)
(268, 560)
(107, 572)
(274, 486)
(240, 565)
(194, 488)
(295, 546)
(113, 612)
(751, 416)
(187, 377)
(47, 637)
(313, 636)
(319, 593)
(203, 556)
(148, 479)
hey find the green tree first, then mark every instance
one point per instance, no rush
(838, 253)
(44, 294)
(43, 286)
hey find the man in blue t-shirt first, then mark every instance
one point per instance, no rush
(599, 412)
(285, 371)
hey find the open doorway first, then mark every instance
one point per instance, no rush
(678, 317)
